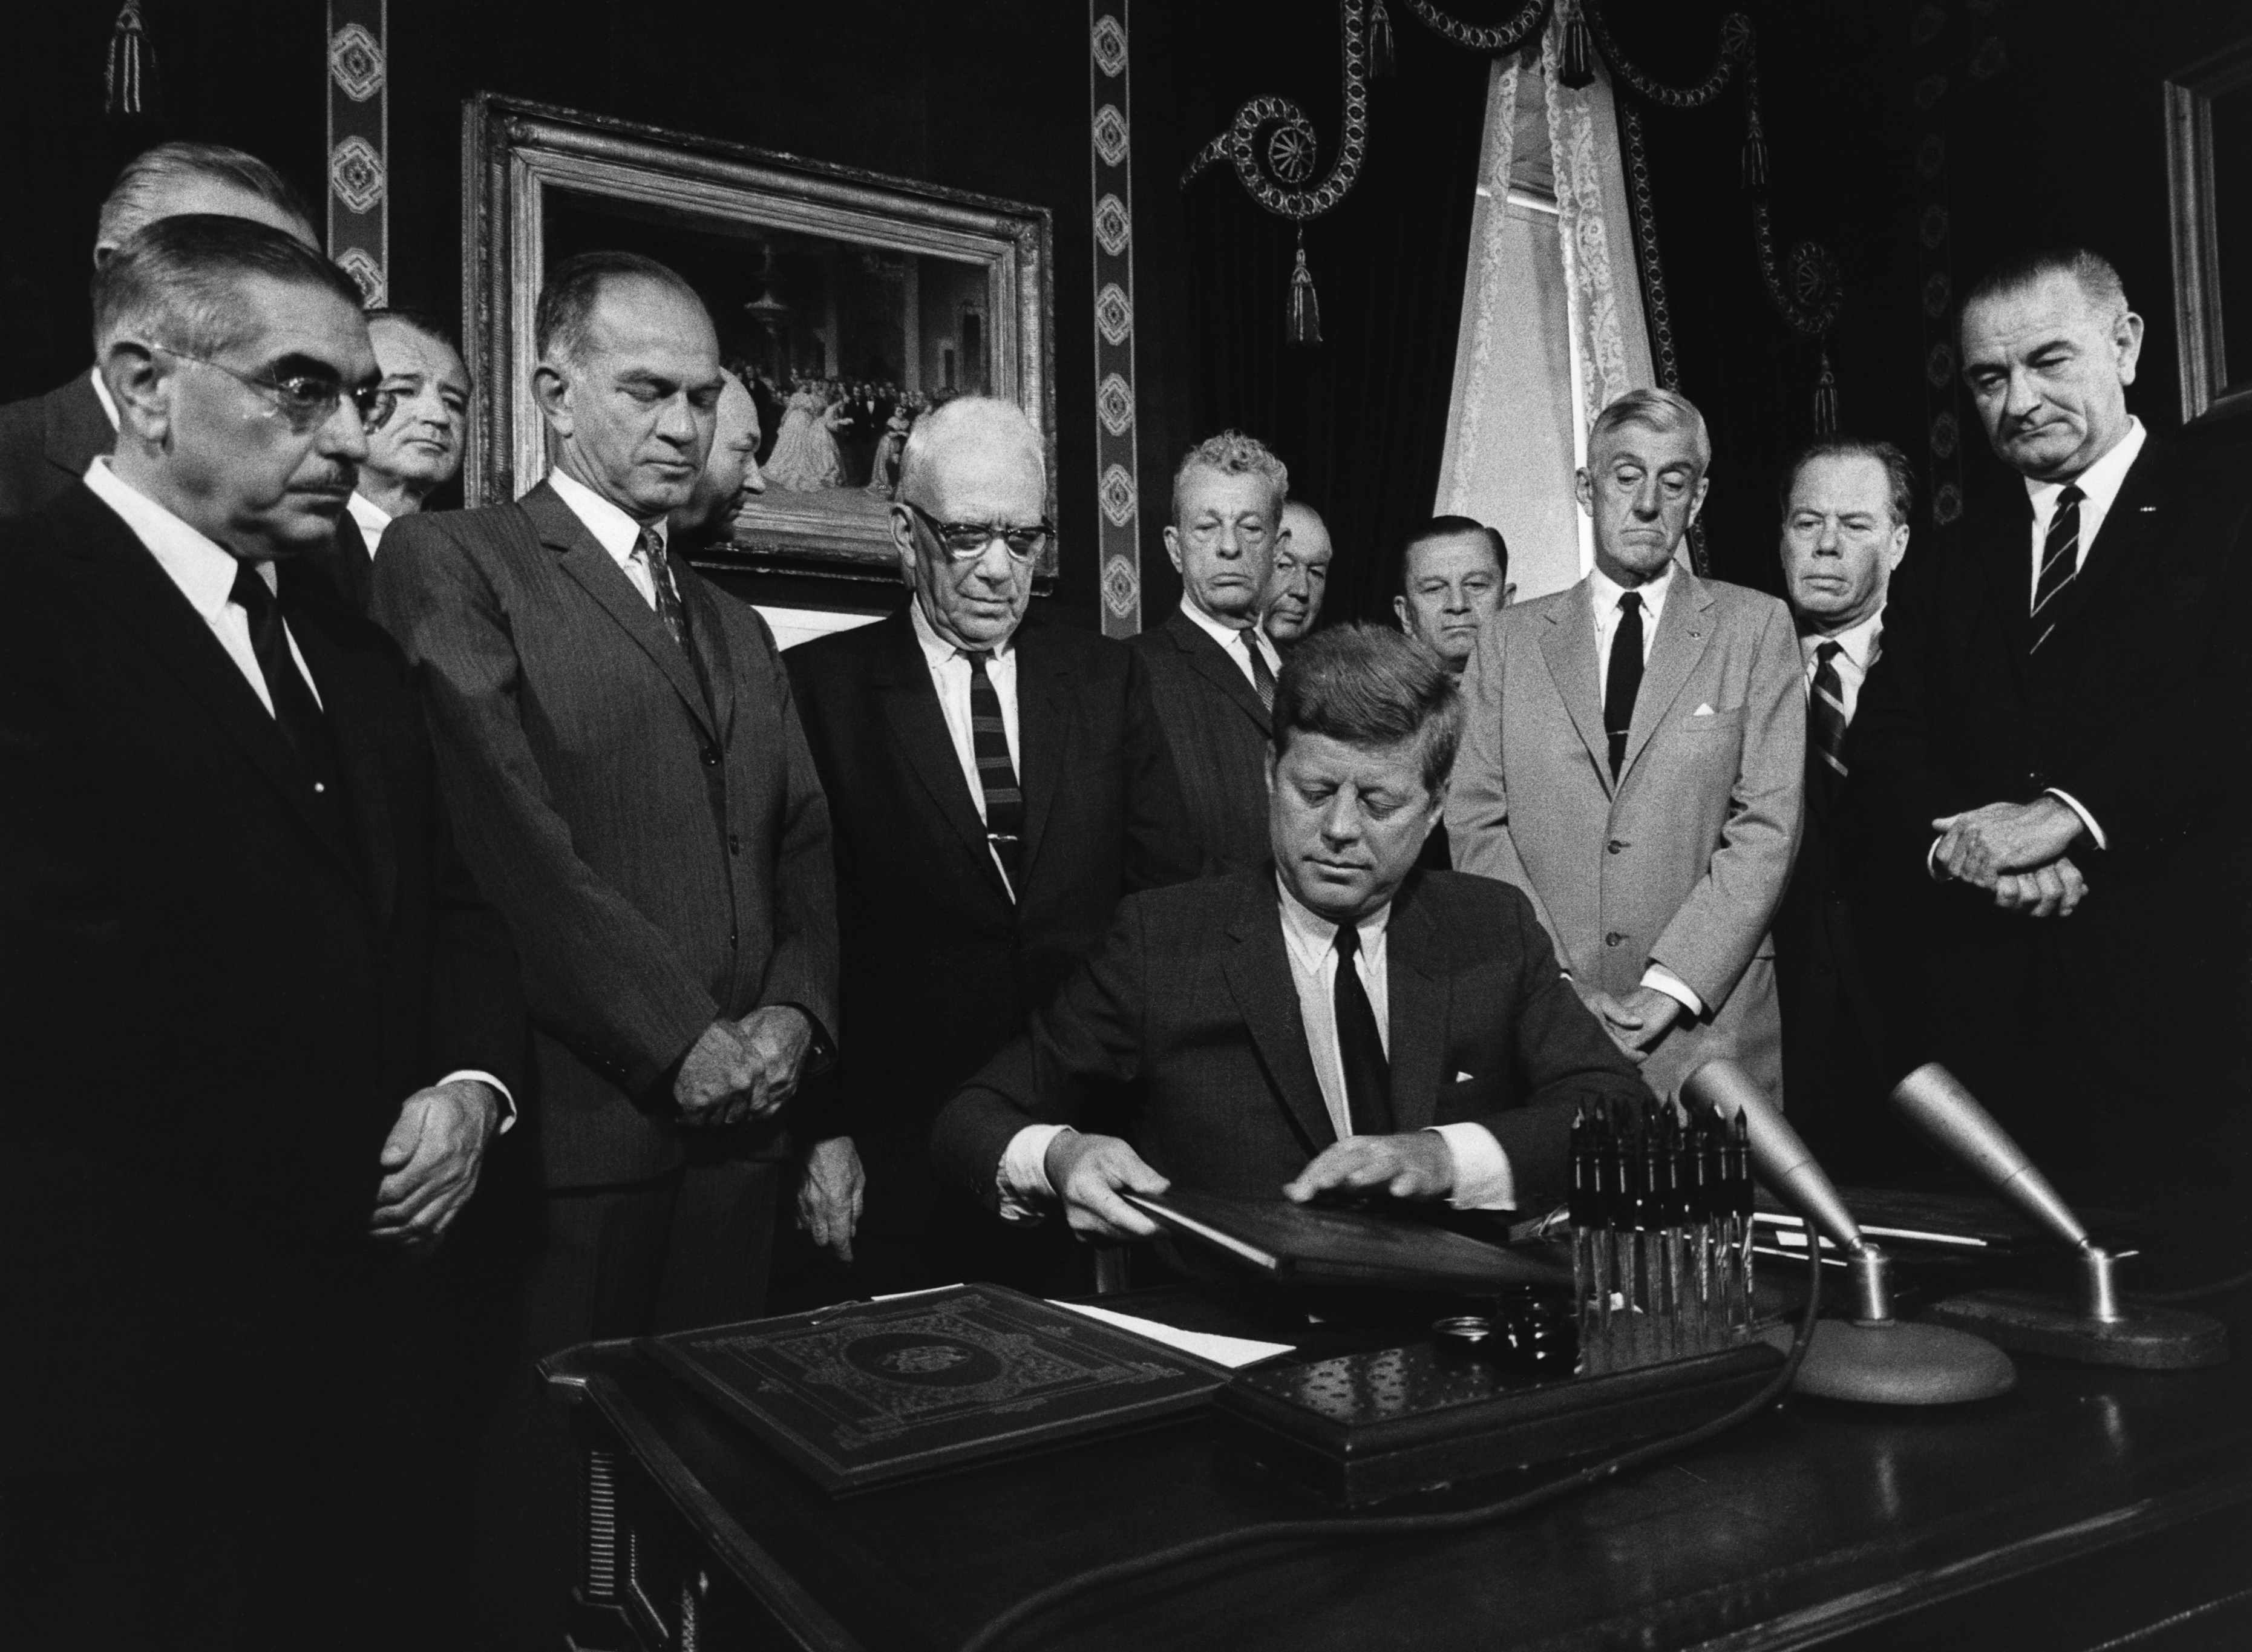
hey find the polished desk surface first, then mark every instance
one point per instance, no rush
(2088, 1504)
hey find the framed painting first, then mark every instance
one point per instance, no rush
(2209, 174)
(848, 303)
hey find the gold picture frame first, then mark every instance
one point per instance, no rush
(819, 278)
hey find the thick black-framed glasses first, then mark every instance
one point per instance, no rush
(305, 400)
(966, 541)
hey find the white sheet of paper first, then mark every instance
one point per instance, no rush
(1231, 1351)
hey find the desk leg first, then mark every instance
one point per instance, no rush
(599, 1619)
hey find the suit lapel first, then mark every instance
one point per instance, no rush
(708, 636)
(1417, 987)
(1684, 628)
(901, 678)
(581, 556)
(1210, 661)
(132, 584)
(360, 743)
(2136, 521)
(1266, 994)
(1042, 733)
(1568, 646)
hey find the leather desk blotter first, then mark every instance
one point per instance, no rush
(877, 1392)
(1356, 1427)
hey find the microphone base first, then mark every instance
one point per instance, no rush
(1894, 1363)
(2141, 1338)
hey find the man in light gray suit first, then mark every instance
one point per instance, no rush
(1650, 727)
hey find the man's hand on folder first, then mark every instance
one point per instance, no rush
(1087, 1172)
(1415, 1164)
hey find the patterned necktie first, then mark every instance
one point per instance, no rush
(1262, 676)
(2059, 561)
(1360, 1049)
(988, 743)
(650, 549)
(1624, 681)
(1825, 712)
(295, 708)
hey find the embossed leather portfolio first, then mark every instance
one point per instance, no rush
(876, 1392)
(1327, 1246)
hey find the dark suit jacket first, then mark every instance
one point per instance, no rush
(1190, 1000)
(345, 563)
(2134, 706)
(1218, 733)
(203, 981)
(940, 966)
(46, 442)
(661, 852)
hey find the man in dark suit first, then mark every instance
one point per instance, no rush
(46, 442)
(996, 785)
(2047, 763)
(1335, 1019)
(620, 752)
(1212, 667)
(1847, 505)
(256, 1027)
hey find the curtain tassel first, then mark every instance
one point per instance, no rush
(1826, 400)
(132, 73)
(1305, 313)
(1380, 39)
(1578, 68)
(1754, 153)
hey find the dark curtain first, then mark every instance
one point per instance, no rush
(1361, 419)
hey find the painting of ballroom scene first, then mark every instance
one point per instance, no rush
(842, 346)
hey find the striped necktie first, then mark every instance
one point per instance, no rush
(1262, 675)
(2059, 561)
(650, 549)
(1825, 712)
(997, 775)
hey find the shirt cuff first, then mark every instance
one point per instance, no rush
(507, 1101)
(1937, 873)
(1022, 1173)
(1482, 1178)
(2087, 820)
(1658, 978)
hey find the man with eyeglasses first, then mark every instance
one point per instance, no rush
(46, 442)
(996, 785)
(257, 1029)
(1211, 665)
(618, 744)
(413, 445)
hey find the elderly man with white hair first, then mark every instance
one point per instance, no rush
(995, 784)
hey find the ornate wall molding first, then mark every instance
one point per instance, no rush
(1111, 189)
(359, 143)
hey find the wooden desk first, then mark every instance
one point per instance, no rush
(2087, 1505)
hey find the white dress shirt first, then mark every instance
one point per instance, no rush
(613, 529)
(2099, 486)
(1603, 594)
(205, 572)
(1230, 642)
(949, 675)
(1858, 646)
(1483, 1178)
(372, 519)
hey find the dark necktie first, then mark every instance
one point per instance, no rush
(1360, 1048)
(295, 708)
(1825, 712)
(1624, 681)
(1262, 677)
(2059, 561)
(651, 547)
(988, 743)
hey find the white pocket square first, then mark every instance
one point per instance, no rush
(1702, 711)
(1462, 1078)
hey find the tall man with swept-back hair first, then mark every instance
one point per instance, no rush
(618, 744)
(1211, 665)
(1635, 762)
(2048, 770)
(257, 1029)
(46, 442)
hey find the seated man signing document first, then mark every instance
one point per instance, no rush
(1335, 1019)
